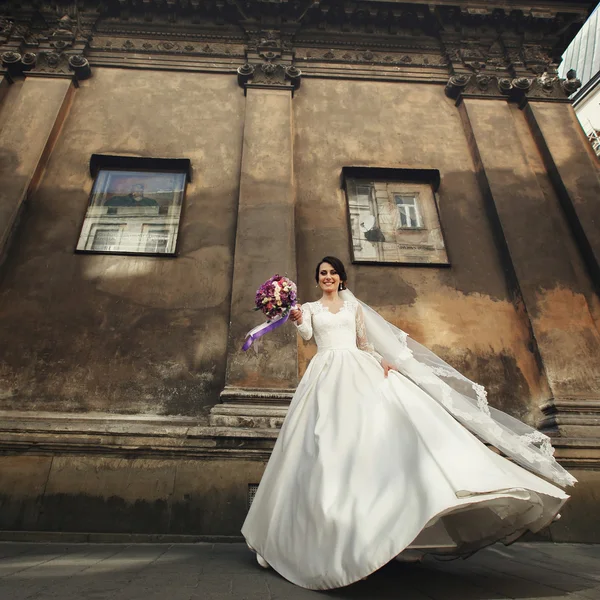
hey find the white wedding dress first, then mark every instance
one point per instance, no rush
(366, 467)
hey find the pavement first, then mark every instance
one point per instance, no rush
(203, 571)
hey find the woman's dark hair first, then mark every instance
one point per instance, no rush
(338, 265)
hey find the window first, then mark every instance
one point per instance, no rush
(408, 210)
(157, 241)
(105, 239)
(393, 216)
(135, 205)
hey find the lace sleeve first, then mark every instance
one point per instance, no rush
(361, 335)
(305, 330)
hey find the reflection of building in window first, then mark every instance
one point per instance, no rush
(408, 209)
(157, 240)
(594, 138)
(363, 219)
(128, 216)
(105, 239)
(130, 229)
(394, 221)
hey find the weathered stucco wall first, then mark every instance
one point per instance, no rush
(126, 334)
(8, 95)
(86, 333)
(465, 312)
(121, 495)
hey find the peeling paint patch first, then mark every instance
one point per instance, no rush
(569, 341)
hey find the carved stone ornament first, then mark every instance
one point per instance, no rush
(50, 62)
(6, 28)
(29, 61)
(516, 89)
(269, 74)
(80, 66)
(65, 26)
(10, 58)
(536, 59)
(11, 61)
(293, 74)
(393, 40)
(522, 83)
(473, 58)
(433, 58)
(270, 69)
(456, 84)
(571, 84)
(483, 82)
(245, 74)
(52, 59)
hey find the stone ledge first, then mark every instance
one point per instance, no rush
(122, 435)
(247, 416)
(239, 432)
(75, 537)
(262, 397)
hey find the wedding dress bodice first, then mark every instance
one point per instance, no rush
(344, 329)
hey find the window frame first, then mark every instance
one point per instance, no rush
(392, 243)
(180, 169)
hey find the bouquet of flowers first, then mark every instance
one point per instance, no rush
(275, 298)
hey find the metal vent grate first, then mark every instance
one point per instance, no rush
(252, 487)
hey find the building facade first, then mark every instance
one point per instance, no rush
(160, 160)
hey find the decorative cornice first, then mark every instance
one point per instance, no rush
(269, 63)
(517, 89)
(57, 50)
(387, 39)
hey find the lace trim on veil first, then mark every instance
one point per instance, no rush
(466, 400)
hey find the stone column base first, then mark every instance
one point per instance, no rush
(577, 418)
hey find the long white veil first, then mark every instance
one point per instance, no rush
(462, 398)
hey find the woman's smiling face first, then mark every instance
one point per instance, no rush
(329, 280)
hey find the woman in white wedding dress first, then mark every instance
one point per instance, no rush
(376, 457)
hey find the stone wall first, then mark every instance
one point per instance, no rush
(126, 403)
(125, 334)
(464, 313)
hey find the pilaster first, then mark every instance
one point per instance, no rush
(26, 139)
(52, 63)
(566, 338)
(261, 381)
(573, 170)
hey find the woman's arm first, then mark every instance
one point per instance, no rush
(303, 322)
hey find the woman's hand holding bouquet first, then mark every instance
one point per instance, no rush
(276, 298)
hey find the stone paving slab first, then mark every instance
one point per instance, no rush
(203, 571)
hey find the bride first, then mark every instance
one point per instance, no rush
(377, 456)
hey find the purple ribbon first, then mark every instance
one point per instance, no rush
(260, 330)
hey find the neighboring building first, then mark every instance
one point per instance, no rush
(160, 160)
(583, 55)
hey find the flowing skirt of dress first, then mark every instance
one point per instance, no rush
(366, 466)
